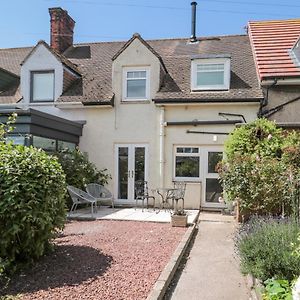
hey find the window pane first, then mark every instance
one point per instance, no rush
(61, 145)
(136, 88)
(213, 159)
(187, 166)
(210, 67)
(44, 143)
(187, 150)
(210, 78)
(136, 74)
(16, 140)
(43, 86)
(213, 190)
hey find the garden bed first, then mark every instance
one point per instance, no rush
(100, 260)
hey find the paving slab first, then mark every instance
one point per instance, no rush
(212, 269)
(130, 214)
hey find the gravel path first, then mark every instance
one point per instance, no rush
(101, 260)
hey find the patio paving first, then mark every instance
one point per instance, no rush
(129, 214)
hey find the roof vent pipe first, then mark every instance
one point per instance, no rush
(193, 36)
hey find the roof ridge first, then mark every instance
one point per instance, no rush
(17, 48)
(275, 21)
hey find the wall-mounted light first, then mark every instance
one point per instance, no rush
(215, 138)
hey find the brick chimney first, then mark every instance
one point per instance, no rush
(61, 32)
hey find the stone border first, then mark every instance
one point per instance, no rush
(162, 283)
(255, 287)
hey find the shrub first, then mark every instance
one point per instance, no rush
(32, 207)
(80, 171)
(277, 289)
(259, 138)
(266, 249)
(262, 169)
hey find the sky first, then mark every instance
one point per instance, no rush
(25, 22)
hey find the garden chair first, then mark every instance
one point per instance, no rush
(80, 197)
(142, 193)
(100, 193)
(178, 194)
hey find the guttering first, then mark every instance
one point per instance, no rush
(196, 122)
(189, 100)
(280, 81)
(161, 146)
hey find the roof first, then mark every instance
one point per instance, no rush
(94, 62)
(59, 56)
(272, 42)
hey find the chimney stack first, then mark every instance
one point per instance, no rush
(193, 36)
(61, 32)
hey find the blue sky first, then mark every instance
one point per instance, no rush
(24, 22)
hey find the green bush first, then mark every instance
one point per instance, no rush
(80, 171)
(277, 289)
(259, 138)
(261, 169)
(32, 206)
(266, 249)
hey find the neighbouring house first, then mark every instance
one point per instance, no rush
(155, 110)
(276, 50)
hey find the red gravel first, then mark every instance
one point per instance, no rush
(101, 260)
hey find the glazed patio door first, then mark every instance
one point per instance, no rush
(212, 188)
(131, 166)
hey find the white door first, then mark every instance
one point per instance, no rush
(212, 188)
(131, 166)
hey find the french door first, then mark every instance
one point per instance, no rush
(131, 166)
(212, 188)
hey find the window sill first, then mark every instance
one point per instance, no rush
(209, 90)
(136, 101)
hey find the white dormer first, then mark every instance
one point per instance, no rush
(41, 76)
(45, 75)
(210, 73)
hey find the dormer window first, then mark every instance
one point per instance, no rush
(136, 84)
(42, 86)
(210, 74)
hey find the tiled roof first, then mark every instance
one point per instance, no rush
(271, 42)
(94, 62)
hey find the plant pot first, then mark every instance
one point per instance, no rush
(179, 220)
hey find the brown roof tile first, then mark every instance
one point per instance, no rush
(94, 62)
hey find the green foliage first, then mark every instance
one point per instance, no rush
(32, 207)
(262, 168)
(80, 171)
(276, 289)
(260, 138)
(7, 127)
(266, 249)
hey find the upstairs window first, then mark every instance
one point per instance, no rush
(210, 74)
(42, 86)
(136, 84)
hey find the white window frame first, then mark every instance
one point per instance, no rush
(209, 61)
(124, 90)
(188, 179)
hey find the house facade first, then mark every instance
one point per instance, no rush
(157, 110)
(276, 50)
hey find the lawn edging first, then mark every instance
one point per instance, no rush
(160, 287)
(255, 287)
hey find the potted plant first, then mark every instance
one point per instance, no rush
(179, 218)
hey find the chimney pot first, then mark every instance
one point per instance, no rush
(61, 29)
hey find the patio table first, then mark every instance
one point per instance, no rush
(165, 194)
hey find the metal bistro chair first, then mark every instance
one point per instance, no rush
(179, 193)
(142, 193)
(100, 193)
(80, 197)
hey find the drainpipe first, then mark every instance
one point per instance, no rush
(161, 146)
